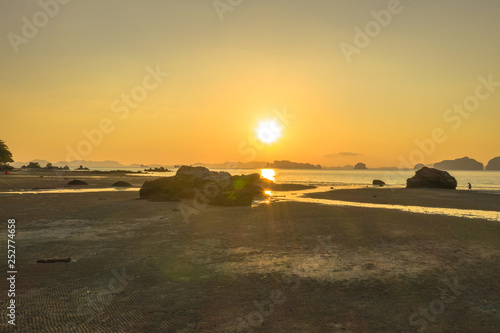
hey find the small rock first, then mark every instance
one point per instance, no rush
(77, 182)
(121, 184)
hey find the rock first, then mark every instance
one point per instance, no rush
(168, 189)
(360, 166)
(163, 197)
(494, 164)
(215, 188)
(77, 182)
(418, 166)
(431, 178)
(121, 184)
(236, 191)
(202, 172)
(378, 182)
(463, 163)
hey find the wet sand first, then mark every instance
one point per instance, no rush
(140, 266)
(460, 199)
(45, 179)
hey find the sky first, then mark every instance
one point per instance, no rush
(386, 83)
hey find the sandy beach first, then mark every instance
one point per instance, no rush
(140, 266)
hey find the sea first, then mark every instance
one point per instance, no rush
(483, 181)
(480, 180)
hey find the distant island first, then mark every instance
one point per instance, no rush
(464, 163)
(291, 165)
(360, 166)
(160, 169)
(233, 165)
(108, 164)
(493, 164)
(76, 164)
(345, 167)
(48, 166)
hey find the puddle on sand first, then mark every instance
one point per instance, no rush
(468, 213)
(465, 213)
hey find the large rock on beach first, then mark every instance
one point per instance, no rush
(235, 191)
(215, 188)
(202, 173)
(432, 178)
(378, 182)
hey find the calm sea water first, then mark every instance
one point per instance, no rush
(480, 180)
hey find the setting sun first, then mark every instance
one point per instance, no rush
(268, 131)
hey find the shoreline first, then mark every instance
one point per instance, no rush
(50, 182)
(438, 198)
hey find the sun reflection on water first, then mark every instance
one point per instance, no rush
(268, 174)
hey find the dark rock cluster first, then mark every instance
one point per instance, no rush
(215, 188)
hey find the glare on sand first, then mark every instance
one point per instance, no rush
(268, 131)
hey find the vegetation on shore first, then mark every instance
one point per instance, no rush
(5, 156)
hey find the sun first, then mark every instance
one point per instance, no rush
(268, 131)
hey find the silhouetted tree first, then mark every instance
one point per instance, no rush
(5, 154)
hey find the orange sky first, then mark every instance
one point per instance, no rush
(72, 76)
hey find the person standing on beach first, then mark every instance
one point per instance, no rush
(470, 187)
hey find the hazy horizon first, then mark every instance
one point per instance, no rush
(176, 82)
